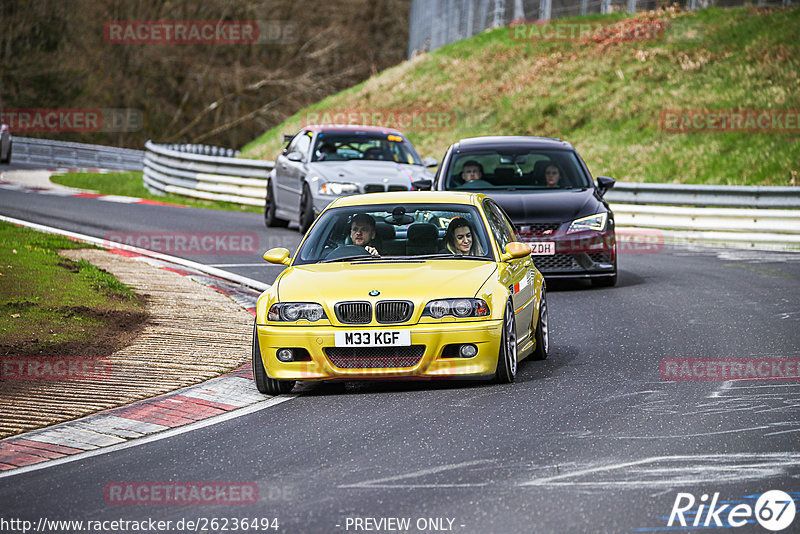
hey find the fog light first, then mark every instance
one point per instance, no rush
(285, 355)
(468, 350)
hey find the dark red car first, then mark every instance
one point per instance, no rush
(549, 194)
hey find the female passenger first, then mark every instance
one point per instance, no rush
(460, 239)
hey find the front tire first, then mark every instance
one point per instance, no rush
(507, 356)
(607, 281)
(270, 219)
(542, 334)
(264, 383)
(306, 210)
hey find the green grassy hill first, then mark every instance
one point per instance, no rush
(605, 96)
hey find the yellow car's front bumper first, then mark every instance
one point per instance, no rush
(432, 338)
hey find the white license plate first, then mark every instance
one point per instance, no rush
(543, 248)
(373, 338)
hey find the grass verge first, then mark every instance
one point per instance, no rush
(53, 306)
(129, 184)
(606, 97)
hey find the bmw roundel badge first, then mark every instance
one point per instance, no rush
(374, 293)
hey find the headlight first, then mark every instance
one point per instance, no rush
(338, 188)
(595, 222)
(456, 307)
(294, 311)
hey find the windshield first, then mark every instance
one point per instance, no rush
(371, 146)
(519, 169)
(414, 231)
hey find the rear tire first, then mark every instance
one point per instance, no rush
(306, 210)
(542, 334)
(264, 383)
(270, 219)
(507, 356)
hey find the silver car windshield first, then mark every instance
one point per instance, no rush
(364, 146)
(520, 169)
(411, 231)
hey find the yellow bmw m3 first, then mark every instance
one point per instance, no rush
(404, 285)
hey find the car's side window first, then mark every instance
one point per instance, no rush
(501, 227)
(301, 143)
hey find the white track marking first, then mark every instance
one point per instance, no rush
(387, 482)
(690, 469)
(154, 437)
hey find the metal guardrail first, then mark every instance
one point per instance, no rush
(738, 196)
(760, 216)
(75, 155)
(762, 228)
(755, 216)
(238, 180)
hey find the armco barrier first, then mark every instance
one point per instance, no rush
(168, 170)
(738, 196)
(753, 216)
(74, 155)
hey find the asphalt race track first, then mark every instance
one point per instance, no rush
(591, 440)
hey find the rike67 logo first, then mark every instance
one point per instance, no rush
(774, 510)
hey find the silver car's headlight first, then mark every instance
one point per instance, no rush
(338, 188)
(595, 222)
(294, 311)
(456, 307)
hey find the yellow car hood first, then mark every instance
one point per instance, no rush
(417, 281)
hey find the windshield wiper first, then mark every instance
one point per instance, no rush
(348, 258)
(447, 256)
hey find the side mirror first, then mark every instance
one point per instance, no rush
(604, 184)
(422, 185)
(515, 250)
(287, 138)
(278, 256)
(295, 156)
(430, 162)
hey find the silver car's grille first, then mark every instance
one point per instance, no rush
(393, 311)
(380, 188)
(353, 312)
